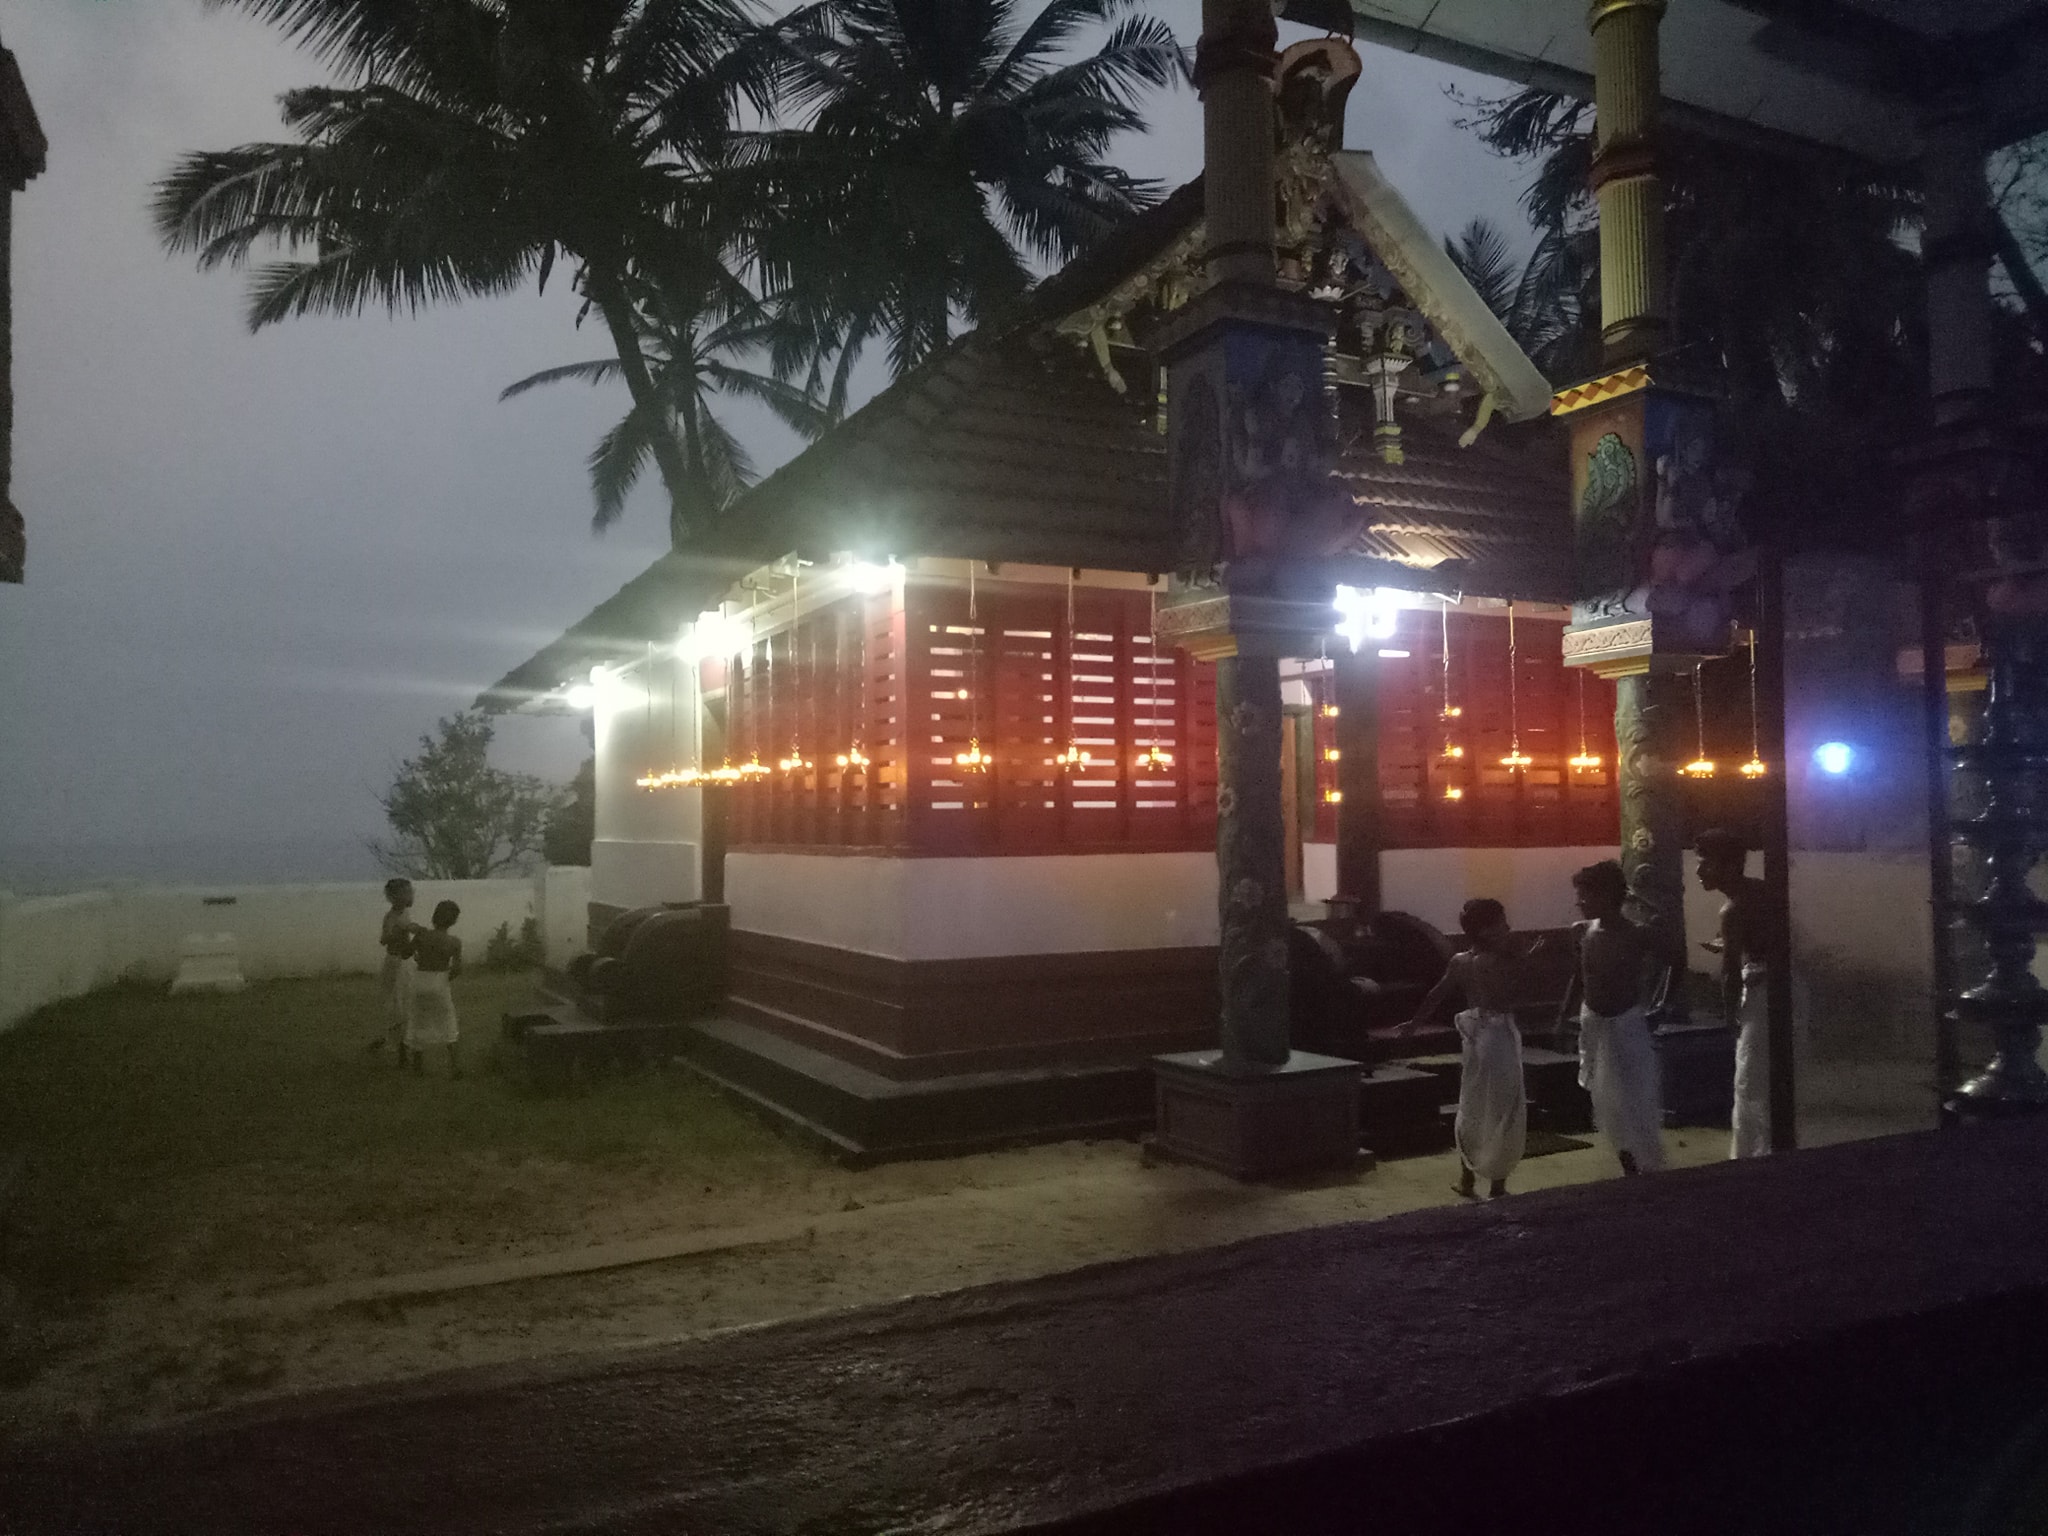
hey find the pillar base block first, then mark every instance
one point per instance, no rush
(1255, 1122)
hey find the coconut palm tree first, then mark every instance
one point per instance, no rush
(933, 150)
(693, 359)
(469, 146)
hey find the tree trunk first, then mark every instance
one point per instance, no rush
(607, 292)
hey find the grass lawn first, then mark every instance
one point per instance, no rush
(230, 1145)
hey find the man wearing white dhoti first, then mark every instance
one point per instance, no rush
(437, 954)
(1723, 858)
(1492, 1125)
(1617, 1058)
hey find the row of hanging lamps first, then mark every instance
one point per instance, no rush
(1070, 758)
(1516, 760)
(1152, 759)
(973, 760)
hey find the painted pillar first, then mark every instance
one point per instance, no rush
(1644, 481)
(1625, 181)
(1250, 450)
(1980, 492)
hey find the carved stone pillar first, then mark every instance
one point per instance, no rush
(1250, 862)
(1651, 723)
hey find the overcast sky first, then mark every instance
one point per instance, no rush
(261, 566)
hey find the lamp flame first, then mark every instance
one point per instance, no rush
(974, 760)
(1586, 760)
(1152, 757)
(1071, 759)
(1755, 768)
(1699, 768)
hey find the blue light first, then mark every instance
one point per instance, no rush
(1836, 757)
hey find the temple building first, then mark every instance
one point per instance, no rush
(904, 712)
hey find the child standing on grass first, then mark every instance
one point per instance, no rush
(1617, 1057)
(1493, 1117)
(437, 954)
(394, 981)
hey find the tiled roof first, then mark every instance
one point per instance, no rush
(1011, 445)
(1016, 449)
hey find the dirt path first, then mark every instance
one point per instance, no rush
(1031, 1212)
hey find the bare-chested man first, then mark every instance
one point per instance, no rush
(1617, 1057)
(1492, 1124)
(1723, 858)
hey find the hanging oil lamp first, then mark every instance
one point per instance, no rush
(795, 762)
(1586, 760)
(1755, 767)
(973, 760)
(1516, 760)
(1702, 766)
(1070, 758)
(1453, 751)
(1153, 759)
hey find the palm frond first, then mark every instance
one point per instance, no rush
(1481, 252)
(597, 371)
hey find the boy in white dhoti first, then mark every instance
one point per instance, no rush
(394, 981)
(1492, 1126)
(1617, 1057)
(437, 954)
(1723, 859)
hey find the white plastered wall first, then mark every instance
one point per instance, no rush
(55, 947)
(647, 846)
(964, 908)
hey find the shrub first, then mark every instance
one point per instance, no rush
(502, 952)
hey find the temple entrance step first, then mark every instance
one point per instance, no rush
(862, 1117)
(557, 1040)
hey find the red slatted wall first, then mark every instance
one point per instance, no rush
(913, 683)
(1549, 804)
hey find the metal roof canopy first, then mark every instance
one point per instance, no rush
(1854, 75)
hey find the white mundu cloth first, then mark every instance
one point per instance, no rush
(1493, 1112)
(395, 982)
(1618, 1069)
(432, 1021)
(1751, 1119)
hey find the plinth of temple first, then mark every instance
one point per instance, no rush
(1254, 1121)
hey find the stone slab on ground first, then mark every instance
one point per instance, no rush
(1312, 1381)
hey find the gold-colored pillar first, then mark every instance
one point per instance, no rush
(1625, 181)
